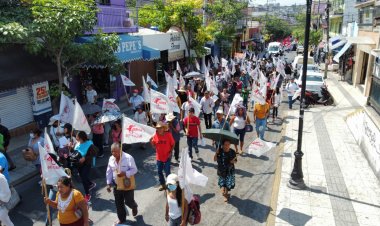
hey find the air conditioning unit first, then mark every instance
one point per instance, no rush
(128, 22)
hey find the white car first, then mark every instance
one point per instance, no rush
(310, 67)
(299, 49)
(314, 81)
(274, 48)
(298, 62)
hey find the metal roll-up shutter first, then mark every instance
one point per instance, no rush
(15, 107)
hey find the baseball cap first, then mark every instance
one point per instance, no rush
(172, 179)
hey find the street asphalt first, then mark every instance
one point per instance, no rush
(249, 203)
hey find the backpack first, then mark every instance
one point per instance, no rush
(194, 216)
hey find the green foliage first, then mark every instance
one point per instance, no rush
(276, 28)
(14, 19)
(56, 24)
(299, 31)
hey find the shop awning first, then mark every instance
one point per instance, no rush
(150, 53)
(129, 49)
(338, 44)
(342, 51)
(361, 40)
(335, 39)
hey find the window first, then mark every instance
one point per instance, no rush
(104, 2)
(377, 67)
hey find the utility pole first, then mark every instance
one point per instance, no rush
(204, 18)
(296, 181)
(327, 38)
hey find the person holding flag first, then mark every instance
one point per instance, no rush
(173, 210)
(192, 127)
(121, 164)
(56, 130)
(226, 159)
(68, 201)
(164, 143)
(207, 104)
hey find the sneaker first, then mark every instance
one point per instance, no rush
(92, 186)
(87, 197)
(101, 156)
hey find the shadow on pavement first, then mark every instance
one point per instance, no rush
(250, 208)
(206, 197)
(293, 217)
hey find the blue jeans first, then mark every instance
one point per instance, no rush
(261, 125)
(175, 222)
(52, 196)
(192, 142)
(163, 166)
(290, 101)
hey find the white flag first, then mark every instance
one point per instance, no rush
(238, 100)
(187, 175)
(80, 121)
(194, 104)
(172, 81)
(233, 69)
(66, 109)
(224, 62)
(48, 145)
(197, 65)
(172, 95)
(297, 94)
(179, 68)
(263, 90)
(149, 79)
(182, 82)
(133, 132)
(51, 171)
(159, 103)
(146, 91)
(262, 80)
(126, 81)
(255, 73)
(259, 147)
(257, 95)
(274, 82)
(109, 105)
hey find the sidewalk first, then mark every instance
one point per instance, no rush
(341, 189)
(26, 170)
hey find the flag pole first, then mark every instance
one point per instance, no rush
(46, 196)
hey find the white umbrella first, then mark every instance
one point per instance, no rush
(108, 116)
(193, 74)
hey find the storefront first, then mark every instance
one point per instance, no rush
(177, 49)
(25, 102)
(130, 49)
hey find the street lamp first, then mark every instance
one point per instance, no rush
(296, 181)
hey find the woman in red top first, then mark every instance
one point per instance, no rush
(164, 143)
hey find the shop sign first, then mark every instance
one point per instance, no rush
(41, 102)
(175, 41)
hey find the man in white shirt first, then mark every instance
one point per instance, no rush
(56, 131)
(122, 164)
(207, 104)
(136, 100)
(5, 196)
(91, 94)
(291, 89)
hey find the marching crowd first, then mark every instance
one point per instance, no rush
(224, 96)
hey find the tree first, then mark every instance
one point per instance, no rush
(276, 28)
(183, 14)
(298, 31)
(56, 24)
(224, 15)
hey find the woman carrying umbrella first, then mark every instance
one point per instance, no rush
(226, 159)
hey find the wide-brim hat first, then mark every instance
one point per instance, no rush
(53, 119)
(170, 117)
(182, 89)
(161, 125)
(220, 111)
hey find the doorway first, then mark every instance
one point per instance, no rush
(363, 75)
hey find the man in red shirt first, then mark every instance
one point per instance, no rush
(164, 143)
(192, 125)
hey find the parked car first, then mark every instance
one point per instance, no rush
(298, 61)
(310, 67)
(299, 49)
(314, 82)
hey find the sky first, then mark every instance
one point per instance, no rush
(282, 2)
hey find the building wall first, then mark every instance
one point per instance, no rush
(141, 68)
(350, 12)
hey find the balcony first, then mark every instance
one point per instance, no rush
(114, 19)
(364, 3)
